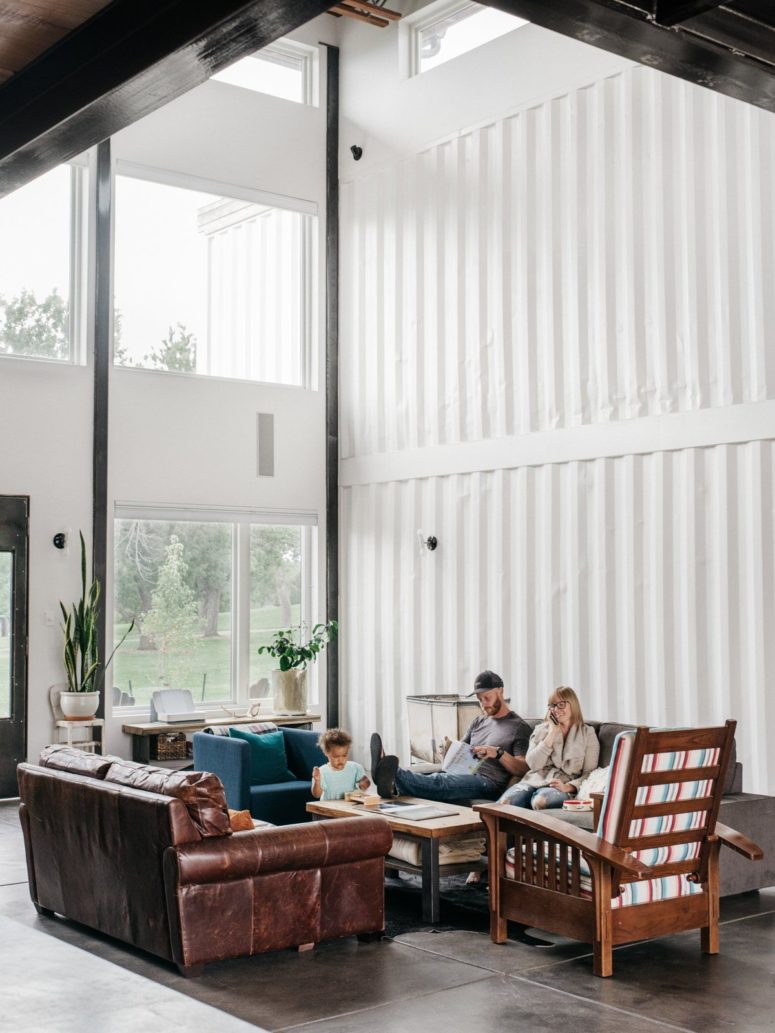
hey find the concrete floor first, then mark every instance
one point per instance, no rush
(59, 977)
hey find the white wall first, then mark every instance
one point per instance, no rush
(45, 427)
(174, 439)
(558, 357)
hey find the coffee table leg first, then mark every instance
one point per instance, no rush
(430, 880)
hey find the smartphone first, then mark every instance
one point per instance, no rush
(552, 718)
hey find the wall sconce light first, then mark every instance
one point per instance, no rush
(356, 151)
(429, 543)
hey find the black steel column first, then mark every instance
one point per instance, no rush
(332, 376)
(102, 359)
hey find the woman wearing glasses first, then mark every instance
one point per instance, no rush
(562, 752)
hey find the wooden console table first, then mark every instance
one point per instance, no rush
(141, 734)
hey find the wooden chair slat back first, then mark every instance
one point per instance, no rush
(663, 832)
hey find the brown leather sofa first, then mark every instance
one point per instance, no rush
(147, 856)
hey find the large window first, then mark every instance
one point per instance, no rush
(284, 69)
(204, 596)
(41, 267)
(447, 29)
(211, 284)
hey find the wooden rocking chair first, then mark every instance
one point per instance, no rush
(652, 867)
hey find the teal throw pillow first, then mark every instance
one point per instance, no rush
(268, 763)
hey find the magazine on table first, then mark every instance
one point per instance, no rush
(460, 759)
(413, 811)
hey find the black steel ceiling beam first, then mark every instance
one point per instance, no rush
(129, 59)
(629, 30)
(673, 12)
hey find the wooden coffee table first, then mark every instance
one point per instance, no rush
(461, 823)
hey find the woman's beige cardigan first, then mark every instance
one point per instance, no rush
(569, 760)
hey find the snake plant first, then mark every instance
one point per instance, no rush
(81, 650)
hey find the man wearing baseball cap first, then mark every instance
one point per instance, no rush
(499, 736)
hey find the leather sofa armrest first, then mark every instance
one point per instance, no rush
(316, 844)
(229, 759)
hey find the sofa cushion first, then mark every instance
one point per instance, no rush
(77, 762)
(595, 782)
(240, 821)
(606, 734)
(259, 727)
(268, 763)
(200, 791)
(301, 747)
(281, 804)
(731, 780)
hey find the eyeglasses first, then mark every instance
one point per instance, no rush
(559, 706)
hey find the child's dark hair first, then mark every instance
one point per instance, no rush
(334, 737)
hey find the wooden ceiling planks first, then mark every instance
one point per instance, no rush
(365, 11)
(29, 27)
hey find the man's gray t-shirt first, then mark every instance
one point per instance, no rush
(509, 732)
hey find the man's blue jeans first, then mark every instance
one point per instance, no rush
(445, 788)
(530, 796)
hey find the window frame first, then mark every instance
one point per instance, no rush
(79, 262)
(411, 27)
(285, 52)
(309, 262)
(241, 521)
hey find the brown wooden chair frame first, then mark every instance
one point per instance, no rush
(546, 889)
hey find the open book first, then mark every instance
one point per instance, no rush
(460, 759)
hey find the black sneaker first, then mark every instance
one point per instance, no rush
(377, 753)
(385, 777)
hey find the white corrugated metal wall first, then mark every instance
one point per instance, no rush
(542, 319)
(256, 280)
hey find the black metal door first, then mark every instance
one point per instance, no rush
(14, 521)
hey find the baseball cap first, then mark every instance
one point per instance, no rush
(485, 681)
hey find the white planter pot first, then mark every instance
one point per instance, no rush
(78, 706)
(289, 691)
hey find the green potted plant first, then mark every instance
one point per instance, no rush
(289, 679)
(81, 653)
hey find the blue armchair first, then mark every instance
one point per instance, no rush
(282, 803)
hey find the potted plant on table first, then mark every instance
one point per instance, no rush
(81, 652)
(289, 680)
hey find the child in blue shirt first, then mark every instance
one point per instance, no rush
(341, 775)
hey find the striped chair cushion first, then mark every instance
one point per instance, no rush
(666, 887)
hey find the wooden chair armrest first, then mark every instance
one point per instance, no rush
(588, 843)
(738, 842)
